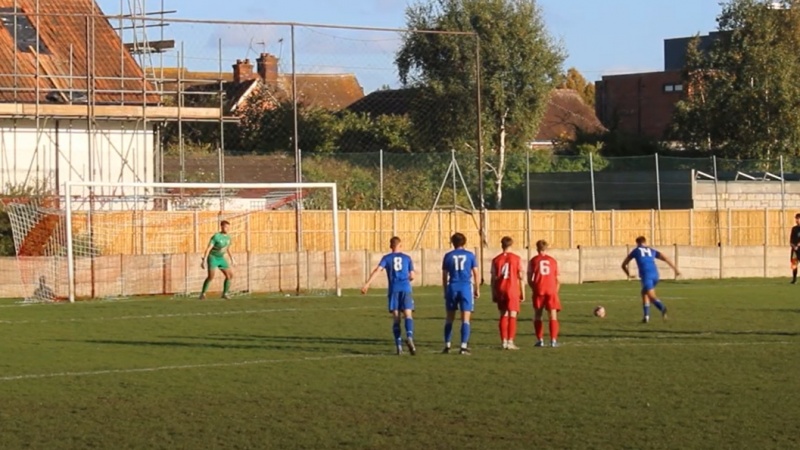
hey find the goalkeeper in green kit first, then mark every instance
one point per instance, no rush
(214, 258)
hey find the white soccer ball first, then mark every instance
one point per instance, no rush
(600, 312)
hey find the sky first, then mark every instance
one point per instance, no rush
(601, 37)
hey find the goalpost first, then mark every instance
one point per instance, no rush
(114, 240)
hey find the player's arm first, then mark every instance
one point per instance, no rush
(793, 241)
(230, 255)
(476, 288)
(521, 276)
(445, 278)
(411, 272)
(557, 274)
(378, 269)
(530, 274)
(625, 263)
(205, 254)
(669, 263)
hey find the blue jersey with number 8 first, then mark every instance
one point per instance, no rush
(398, 267)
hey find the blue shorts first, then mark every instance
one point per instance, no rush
(649, 283)
(459, 296)
(400, 301)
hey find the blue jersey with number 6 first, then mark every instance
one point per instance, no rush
(645, 258)
(459, 264)
(398, 267)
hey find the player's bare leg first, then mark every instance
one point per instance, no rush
(465, 324)
(226, 285)
(653, 299)
(408, 315)
(552, 320)
(538, 327)
(512, 330)
(396, 332)
(448, 329)
(209, 279)
(646, 307)
(503, 325)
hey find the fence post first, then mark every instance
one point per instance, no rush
(441, 230)
(730, 228)
(783, 198)
(196, 232)
(691, 227)
(766, 241)
(347, 229)
(594, 200)
(716, 200)
(394, 222)
(613, 223)
(653, 226)
(380, 160)
(571, 228)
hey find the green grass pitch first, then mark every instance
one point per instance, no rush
(320, 372)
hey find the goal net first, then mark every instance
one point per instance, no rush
(107, 240)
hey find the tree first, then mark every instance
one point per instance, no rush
(741, 97)
(574, 80)
(520, 65)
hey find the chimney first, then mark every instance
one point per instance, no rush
(242, 71)
(268, 68)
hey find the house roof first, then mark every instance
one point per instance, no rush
(565, 114)
(62, 54)
(329, 91)
(566, 111)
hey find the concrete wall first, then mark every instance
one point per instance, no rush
(167, 274)
(745, 195)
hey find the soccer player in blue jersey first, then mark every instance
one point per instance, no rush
(400, 270)
(645, 258)
(460, 282)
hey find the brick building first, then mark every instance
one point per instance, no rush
(643, 103)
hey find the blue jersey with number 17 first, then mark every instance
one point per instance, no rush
(645, 258)
(398, 267)
(459, 264)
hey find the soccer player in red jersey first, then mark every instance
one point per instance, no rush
(543, 280)
(507, 291)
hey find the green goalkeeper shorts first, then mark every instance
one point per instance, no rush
(217, 262)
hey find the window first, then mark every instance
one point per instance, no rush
(673, 87)
(19, 27)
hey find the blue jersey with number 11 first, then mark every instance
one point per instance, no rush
(645, 258)
(459, 264)
(398, 267)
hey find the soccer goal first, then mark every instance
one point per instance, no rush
(116, 240)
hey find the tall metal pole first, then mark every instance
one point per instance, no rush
(594, 199)
(479, 136)
(658, 183)
(380, 162)
(298, 170)
(528, 200)
(716, 200)
(221, 119)
(783, 198)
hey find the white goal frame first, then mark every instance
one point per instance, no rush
(70, 186)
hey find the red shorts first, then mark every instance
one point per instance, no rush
(506, 302)
(549, 302)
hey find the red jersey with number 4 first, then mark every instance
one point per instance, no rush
(505, 275)
(544, 273)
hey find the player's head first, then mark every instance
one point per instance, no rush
(541, 246)
(224, 226)
(395, 243)
(458, 240)
(506, 242)
(797, 218)
(641, 240)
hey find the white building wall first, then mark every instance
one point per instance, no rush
(53, 152)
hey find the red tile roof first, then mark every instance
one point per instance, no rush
(63, 32)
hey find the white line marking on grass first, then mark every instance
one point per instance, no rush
(254, 362)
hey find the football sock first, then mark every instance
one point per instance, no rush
(504, 328)
(794, 275)
(554, 330)
(225, 286)
(512, 328)
(409, 327)
(539, 328)
(206, 284)
(659, 305)
(448, 332)
(465, 329)
(646, 308)
(396, 332)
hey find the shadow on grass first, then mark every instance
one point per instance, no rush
(714, 332)
(286, 339)
(261, 344)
